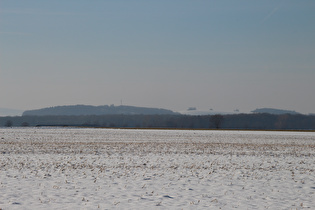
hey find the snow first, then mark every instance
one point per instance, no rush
(159, 169)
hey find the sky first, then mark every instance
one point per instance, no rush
(221, 55)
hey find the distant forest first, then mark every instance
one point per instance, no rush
(233, 121)
(96, 110)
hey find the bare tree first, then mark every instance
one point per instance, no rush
(25, 124)
(216, 120)
(8, 123)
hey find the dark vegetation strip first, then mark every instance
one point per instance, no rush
(286, 122)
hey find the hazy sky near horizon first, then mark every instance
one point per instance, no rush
(176, 54)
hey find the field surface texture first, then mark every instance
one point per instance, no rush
(156, 169)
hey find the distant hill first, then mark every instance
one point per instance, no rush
(274, 111)
(76, 110)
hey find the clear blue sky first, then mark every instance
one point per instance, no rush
(223, 55)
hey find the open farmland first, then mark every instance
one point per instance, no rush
(157, 169)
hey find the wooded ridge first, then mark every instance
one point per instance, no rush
(234, 121)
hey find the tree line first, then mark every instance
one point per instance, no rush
(234, 121)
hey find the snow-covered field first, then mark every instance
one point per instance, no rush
(156, 169)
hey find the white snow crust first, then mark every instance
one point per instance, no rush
(68, 168)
